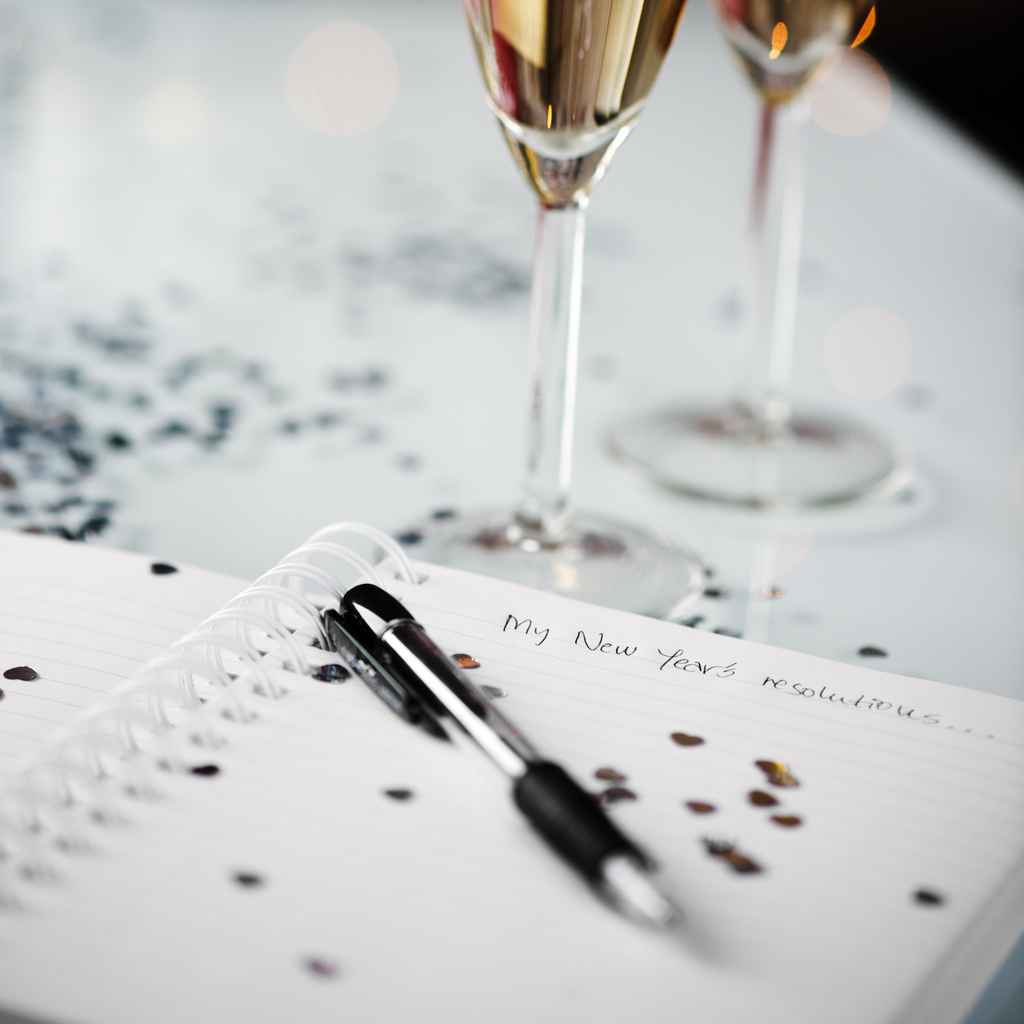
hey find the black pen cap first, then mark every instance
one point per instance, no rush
(368, 610)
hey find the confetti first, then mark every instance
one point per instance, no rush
(928, 898)
(465, 660)
(685, 739)
(409, 537)
(693, 621)
(205, 770)
(701, 807)
(615, 795)
(494, 692)
(728, 853)
(777, 773)
(332, 673)
(870, 651)
(162, 569)
(21, 672)
(787, 820)
(609, 775)
(441, 514)
(320, 967)
(714, 593)
(247, 879)
(759, 798)
(399, 793)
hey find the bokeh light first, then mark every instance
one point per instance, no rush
(852, 96)
(868, 352)
(342, 79)
(175, 113)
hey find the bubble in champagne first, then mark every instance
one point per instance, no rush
(852, 96)
(342, 79)
(867, 353)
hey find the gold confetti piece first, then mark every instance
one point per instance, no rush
(777, 773)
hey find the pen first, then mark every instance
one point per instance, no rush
(392, 653)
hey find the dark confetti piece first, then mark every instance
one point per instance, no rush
(714, 593)
(22, 672)
(409, 537)
(7, 480)
(400, 793)
(788, 820)
(332, 673)
(928, 898)
(162, 568)
(701, 807)
(409, 462)
(729, 854)
(615, 795)
(686, 739)
(118, 441)
(609, 775)
(205, 770)
(465, 661)
(173, 428)
(290, 426)
(725, 631)
(441, 514)
(777, 773)
(693, 621)
(870, 651)
(494, 692)
(320, 967)
(1, 694)
(759, 798)
(247, 879)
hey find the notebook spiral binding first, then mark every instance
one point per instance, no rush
(219, 674)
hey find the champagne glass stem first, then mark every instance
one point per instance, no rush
(554, 341)
(775, 232)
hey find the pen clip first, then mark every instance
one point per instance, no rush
(358, 652)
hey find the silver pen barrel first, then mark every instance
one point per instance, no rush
(447, 691)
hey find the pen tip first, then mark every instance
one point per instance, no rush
(632, 890)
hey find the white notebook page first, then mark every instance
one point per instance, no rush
(83, 619)
(444, 906)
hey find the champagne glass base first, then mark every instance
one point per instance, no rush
(723, 453)
(601, 561)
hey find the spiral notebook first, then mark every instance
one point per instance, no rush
(201, 820)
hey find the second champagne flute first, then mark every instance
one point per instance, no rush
(757, 450)
(566, 81)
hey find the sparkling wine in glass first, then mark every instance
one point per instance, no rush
(757, 450)
(566, 80)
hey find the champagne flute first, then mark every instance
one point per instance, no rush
(757, 450)
(566, 80)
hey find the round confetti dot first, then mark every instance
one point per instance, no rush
(21, 672)
(685, 739)
(441, 514)
(759, 798)
(247, 879)
(465, 660)
(162, 569)
(320, 967)
(616, 794)
(870, 651)
(409, 537)
(332, 673)
(701, 807)
(787, 820)
(399, 793)
(205, 770)
(494, 692)
(714, 593)
(928, 898)
(609, 775)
